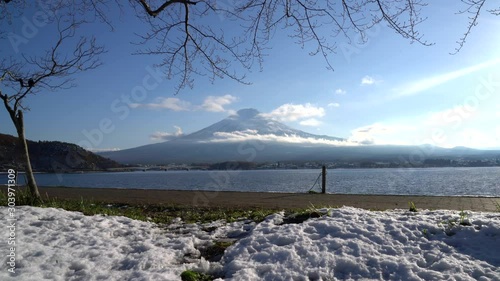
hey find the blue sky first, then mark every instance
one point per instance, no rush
(386, 91)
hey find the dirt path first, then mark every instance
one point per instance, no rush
(270, 200)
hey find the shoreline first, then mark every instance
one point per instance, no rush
(146, 169)
(237, 199)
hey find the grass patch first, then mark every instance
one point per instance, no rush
(300, 217)
(215, 251)
(165, 214)
(413, 208)
(162, 214)
(190, 275)
(464, 218)
(21, 195)
(425, 232)
(451, 225)
(497, 205)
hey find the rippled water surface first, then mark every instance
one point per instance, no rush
(429, 181)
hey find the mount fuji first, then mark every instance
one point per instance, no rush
(252, 136)
(249, 124)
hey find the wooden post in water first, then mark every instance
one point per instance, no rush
(323, 179)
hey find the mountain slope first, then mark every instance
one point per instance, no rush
(51, 156)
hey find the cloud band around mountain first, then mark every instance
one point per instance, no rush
(252, 135)
(165, 136)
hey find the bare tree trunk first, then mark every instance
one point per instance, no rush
(32, 187)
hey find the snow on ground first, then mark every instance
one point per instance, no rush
(343, 244)
(53, 244)
(354, 244)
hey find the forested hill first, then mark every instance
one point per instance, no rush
(51, 156)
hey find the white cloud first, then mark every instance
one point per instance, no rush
(450, 117)
(217, 103)
(334, 104)
(497, 136)
(364, 135)
(368, 80)
(210, 104)
(174, 104)
(163, 136)
(313, 122)
(232, 112)
(461, 125)
(418, 133)
(478, 114)
(247, 135)
(379, 134)
(416, 87)
(294, 112)
(340, 91)
(471, 137)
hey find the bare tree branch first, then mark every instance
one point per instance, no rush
(495, 12)
(163, 6)
(178, 30)
(189, 47)
(474, 9)
(101, 9)
(54, 69)
(54, 72)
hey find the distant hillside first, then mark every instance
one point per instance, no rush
(51, 156)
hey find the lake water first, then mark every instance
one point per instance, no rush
(428, 181)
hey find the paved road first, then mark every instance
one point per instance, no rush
(271, 200)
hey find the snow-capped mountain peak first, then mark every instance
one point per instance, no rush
(250, 121)
(247, 113)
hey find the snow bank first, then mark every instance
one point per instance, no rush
(54, 244)
(354, 244)
(344, 244)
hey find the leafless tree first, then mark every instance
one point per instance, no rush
(52, 70)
